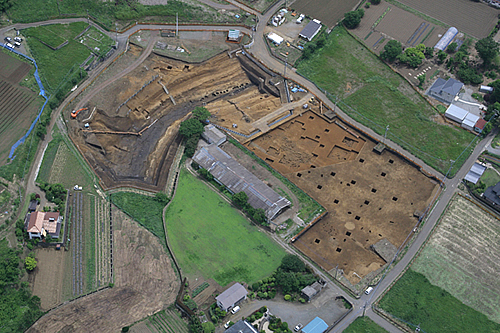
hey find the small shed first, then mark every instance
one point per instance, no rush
(276, 39)
(456, 113)
(475, 173)
(234, 36)
(213, 135)
(310, 291)
(479, 127)
(317, 325)
(231, 297)
(310, 30)
(470, 121)
(485, 89)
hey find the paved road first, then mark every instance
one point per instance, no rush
(259, 50)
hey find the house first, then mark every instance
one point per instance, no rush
(213, 135)
(470, 121)
(310, 30)
(236, 178)
(456, 113)
(241, 326)
(231, 297)
(445, 90)
(40, 224)
(479, 127)
(310, 291)
(475, 173)
(492, 194)
(317, 325)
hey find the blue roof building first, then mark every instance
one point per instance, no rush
(317, 325)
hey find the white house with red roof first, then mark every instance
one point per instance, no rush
(40, 224)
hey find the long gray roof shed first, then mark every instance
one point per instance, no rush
(232, 295)
(237, 178)
(475, 173)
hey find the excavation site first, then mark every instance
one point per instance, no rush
(373, 200)
(128, 132)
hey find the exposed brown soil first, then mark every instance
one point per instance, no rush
(368, 196)
(221, 84)
(329, 12)
(144, 283)
(47, 279)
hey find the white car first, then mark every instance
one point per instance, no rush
(10, 45)
(235, 309)
(368, 290)
(226, 325)
(18, 39)
(298, 327)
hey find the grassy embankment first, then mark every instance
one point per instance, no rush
(347, 69)
(364, 325)
(210, 238)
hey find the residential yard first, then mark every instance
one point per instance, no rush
(371, 93)
(416, 301)
(462, 257)
(146, 210)
(364, 325)
(211, 238)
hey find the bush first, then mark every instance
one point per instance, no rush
(352, 19)
(292, 263)
(288, 298)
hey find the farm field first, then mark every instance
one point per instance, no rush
(458, 14)
(329, 12)
(259, 5)
(165, 321)
(462, 256)
(61, 65)
(141, 269)
(371, 93)
(364, 325)
(367, 195)
(416, 301)
(385, 21)
(19, 105)
(210, 238)
(146, 210)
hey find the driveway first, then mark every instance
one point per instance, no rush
(323, 305)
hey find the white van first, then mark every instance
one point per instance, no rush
(368, 290)
(301, 17)
(235, 309)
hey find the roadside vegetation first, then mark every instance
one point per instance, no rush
(18, 309)
(371, 93)
(415, 300)
(210, 238)
(364, 325)
(146, 210)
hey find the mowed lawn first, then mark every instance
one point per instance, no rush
(210, 238)
(380, 97)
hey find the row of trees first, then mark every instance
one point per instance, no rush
(240, 199)
(55, 193)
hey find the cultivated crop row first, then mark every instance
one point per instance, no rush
(103, 246)
(77, 244)
(166, 322)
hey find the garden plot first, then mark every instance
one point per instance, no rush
(462, 256)
(329, 12)
(369, 197)
(103, 242)
(96, 41)
(166, 321)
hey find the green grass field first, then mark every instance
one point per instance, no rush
(210, 238)
(144, 209)
(347, 69)
(364, 325)
(415, 300)
(490, 177)
(57, 66)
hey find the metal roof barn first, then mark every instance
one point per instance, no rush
(317, 325)
(456, 113)
(475, 173)
(310, 30)
(470, 121)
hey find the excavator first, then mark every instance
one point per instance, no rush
(76, 112)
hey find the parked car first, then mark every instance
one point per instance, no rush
(298, 327)
(8, 39)
(368, 290)
(226, 325)
(17, 44)
(10, 45)
(18, 39)
(235, 309)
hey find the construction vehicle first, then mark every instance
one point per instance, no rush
(76, 112)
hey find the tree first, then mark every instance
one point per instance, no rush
(429, 52)
(191, 127)
(4, 5)
(375, 2)
(195, 325)
(201, 114)
(161, 197)
(413, 56)
(441, 56)
(208, 327)
(287, 281)
(352, 19)
(487, 49)
(495, 95)
(391, 51)
(292, 263)
(421, 80)
(30, 263)
(259, 216)
(240, 199)
(469, 75)
(452, 47)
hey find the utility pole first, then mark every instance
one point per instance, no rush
(284, 71)
(386, 130)
(176, 25)
(88, 17)
(116, 30)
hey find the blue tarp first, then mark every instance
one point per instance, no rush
(42, 93)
